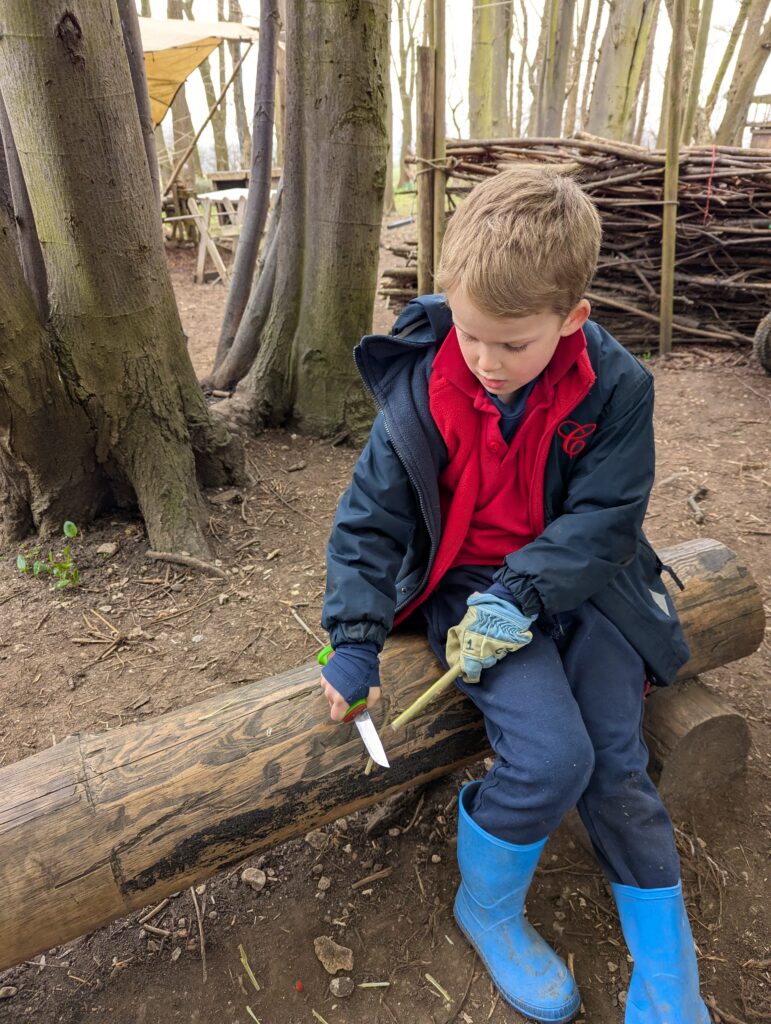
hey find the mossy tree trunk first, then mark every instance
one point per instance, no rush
(109, 372)
(335, 166)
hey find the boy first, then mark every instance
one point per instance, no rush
(500, 498)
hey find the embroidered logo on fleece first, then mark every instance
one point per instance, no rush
(573, 436)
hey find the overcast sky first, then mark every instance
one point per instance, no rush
(459, 13)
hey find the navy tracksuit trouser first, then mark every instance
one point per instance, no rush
(564, 718)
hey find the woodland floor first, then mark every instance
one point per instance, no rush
(199, 638)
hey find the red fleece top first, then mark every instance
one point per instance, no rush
(492, 493)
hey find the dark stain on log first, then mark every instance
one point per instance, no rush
(244, 832)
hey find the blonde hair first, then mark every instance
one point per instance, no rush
(523, 242)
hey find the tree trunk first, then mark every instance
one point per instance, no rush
(280, 90)
(523, 63)
(642, 108)
(120, 820)
(389, 206)
(182, 121)
(23, 220)
(406, 12)
(697, 71)
(132, 41)
(535, 68)
(591, 60)
(164, 160)
(259, 178)
(480, 112)
(726, 59)
(500, 111)
(622, 56)
(552, 74)
(326, 271)
(219, 117)
(574, 75)
(117, 339)
(750, 62)
(242, 120)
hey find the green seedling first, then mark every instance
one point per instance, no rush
(61, 567)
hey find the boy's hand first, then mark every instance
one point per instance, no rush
(338, 705)
(352, 673)
(491, 628)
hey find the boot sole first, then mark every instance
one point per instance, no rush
(534, 1013)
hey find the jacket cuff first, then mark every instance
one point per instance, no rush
(358, 633)
(522, 590)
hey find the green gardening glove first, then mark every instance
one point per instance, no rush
(491, 628)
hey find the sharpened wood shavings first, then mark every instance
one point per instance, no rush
(442, 992)
(246, 966)
(319, 1017)
(251, 1014)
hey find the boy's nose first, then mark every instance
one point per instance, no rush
(488, 362)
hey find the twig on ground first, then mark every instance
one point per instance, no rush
(306, 627)
(693, 503)
(188, 561)
(200, 932)
(723, 1015)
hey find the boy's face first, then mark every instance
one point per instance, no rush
(505, 354)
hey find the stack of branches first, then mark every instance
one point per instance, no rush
(723, 261)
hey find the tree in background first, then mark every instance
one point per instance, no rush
(552, 76)
(750, 62)
(328, 236)
(491, 29)
(99, 405)
(181, 120)
(574, 70)
(406, 14)
(619, 68)
(242, 120)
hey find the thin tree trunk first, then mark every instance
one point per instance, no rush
(242, 120)
(181, 119)
(574, 75)
(259, 178)
(726, 59)
(697, 71)
(500, 111)
(118, 342)
(219, 117)
(622, 56)
(536, 68)
(337, 57)
(750, 62)
(591, 61)
(642, 109)
(523, 63)
(552, 75)
(280, 90)
(132, 41)
(23, 219)
(164, 160)
(480, 113)
(388, 194)
(407, 14)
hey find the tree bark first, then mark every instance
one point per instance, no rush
(281, 91)
(219, 117)
(181, 120)
(117, 338)
(25, 231)
(328, 243)
(642, 108)
(622, 56)
(574, 75)
(726, 59)
(750, 62)
(522, 65)
(697, 71)
(389, 205)
(491, 27)
(500, 111)
(242, 120)
(120, 820)
(132, 40)
(552, 74)
(258, 200)
(592, 58)
(406, 12)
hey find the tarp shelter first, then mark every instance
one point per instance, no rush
(174, 49)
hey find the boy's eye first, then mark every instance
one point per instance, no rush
(515, 348)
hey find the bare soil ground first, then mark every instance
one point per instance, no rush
(60, 672)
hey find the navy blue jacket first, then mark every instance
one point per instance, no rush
(596, 489)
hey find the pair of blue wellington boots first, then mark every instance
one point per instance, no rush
(489, 909)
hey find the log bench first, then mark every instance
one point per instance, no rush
(99, 825)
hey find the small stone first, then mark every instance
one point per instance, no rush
(333, 958)
(191, 944)
(341, 988)
(181, 922)
(201, 889)
(8, 991)
(316, 839)
(105, 609)
(108, 550)
(324, 883)
(212, 915)
(435, 858)
(222, 599)
(153, 946)
(317, 869)
(135, 633)
(295, 467)
(197, 638)
(612, 967)
(255, 878)
(394, 832)
(176, 953)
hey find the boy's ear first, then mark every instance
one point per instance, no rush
(576, 318)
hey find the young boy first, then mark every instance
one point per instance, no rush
(501, 498)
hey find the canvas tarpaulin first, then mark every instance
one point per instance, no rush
(173, 50)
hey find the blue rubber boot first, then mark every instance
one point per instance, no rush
(665, 980)
(489, 909)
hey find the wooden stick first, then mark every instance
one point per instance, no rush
(425, 698)
(425, 176)
(188, 561)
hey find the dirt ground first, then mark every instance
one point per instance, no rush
(193, 637)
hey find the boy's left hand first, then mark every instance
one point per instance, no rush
(491, 628)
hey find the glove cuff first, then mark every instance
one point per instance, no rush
(352, 670)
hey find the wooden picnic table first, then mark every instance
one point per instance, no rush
(218, 215)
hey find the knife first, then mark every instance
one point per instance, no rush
(358, 714)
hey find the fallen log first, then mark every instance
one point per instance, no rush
(100, 825)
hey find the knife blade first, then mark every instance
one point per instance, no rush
(370, 739)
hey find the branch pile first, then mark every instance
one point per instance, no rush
(723, 264)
